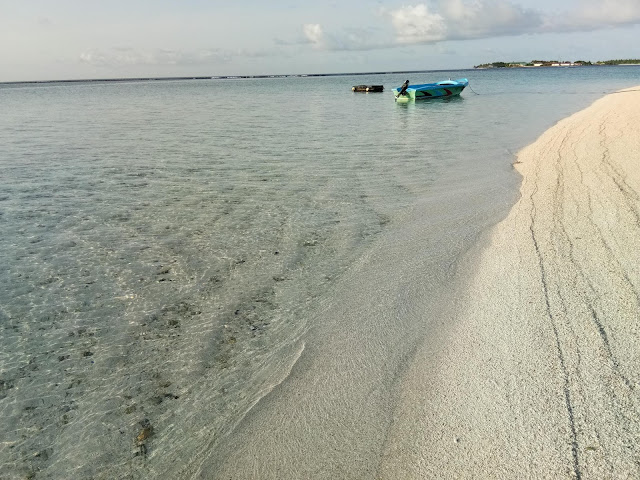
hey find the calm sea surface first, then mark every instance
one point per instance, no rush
(167, 248)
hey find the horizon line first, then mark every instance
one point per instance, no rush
(227, 77)
(232, 77)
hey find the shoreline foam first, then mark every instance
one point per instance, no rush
(538, 376)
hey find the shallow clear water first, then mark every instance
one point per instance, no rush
(166, 246)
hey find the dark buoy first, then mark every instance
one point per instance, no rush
(367, 88)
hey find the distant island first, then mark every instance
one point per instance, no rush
(556, 63)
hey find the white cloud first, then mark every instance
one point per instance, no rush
(489, 17)
(416, 24)
(125, 56)
(604, 13)
(314, 34)
(473, 19)
(350, 38)
(458, 20)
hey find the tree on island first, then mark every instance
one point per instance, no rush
(628, 61)
(550, 63)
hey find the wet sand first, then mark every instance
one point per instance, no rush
(528, 367)
(539, 375)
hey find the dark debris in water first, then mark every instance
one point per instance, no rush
(5, 386)
(143, 437)
(152, 344)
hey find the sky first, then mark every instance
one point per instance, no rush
(82, 39)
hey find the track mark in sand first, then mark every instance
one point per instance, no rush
(565, 373)
(561, 358)
(613, 260)
(561, 240)
(629, 194)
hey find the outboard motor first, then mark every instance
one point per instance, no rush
(403, 90)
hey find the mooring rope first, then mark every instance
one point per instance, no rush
(473, 89)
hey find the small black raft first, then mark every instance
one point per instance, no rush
(368, 88)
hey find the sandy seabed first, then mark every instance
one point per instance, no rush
(533, 371)
(539, 377)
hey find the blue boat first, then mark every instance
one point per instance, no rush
(446, 88)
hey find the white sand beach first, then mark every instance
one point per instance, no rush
(539, 375)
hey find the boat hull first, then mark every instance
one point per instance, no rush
(426, 91)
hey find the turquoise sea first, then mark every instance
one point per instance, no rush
(173, 252)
